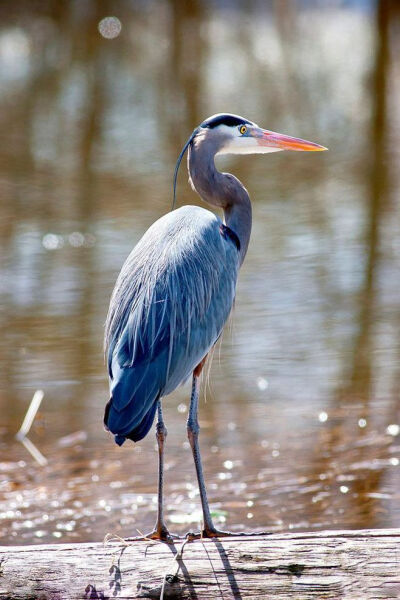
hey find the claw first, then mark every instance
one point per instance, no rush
(162, 534)
(208, 533)
(215, 533)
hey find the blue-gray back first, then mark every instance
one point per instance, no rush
(169, 306)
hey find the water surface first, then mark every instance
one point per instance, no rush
(300, 416)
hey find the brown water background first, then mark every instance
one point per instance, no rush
(300, 425)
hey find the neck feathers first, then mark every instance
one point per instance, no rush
(220, 189)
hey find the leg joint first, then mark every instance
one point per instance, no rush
(161, 431)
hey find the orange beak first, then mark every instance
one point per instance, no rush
(272, 139)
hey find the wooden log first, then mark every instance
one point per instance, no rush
(297, 566)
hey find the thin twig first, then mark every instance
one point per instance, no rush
(37, 455)
(115, 537)
(176, 558)
(27, 424)
(30, 414)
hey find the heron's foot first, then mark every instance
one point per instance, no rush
(208, 533)
(159, 533)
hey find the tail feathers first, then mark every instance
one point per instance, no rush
(134, 393)
(139, 432)
(106, 413)
(123, 425)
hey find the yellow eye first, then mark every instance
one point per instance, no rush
(242, 129)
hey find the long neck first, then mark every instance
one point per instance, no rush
(223, 190)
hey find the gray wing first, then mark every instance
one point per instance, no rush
(170, 304)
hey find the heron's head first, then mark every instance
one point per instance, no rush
(235, 135)
(225, 133)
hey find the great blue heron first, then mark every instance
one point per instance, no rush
(176, 290)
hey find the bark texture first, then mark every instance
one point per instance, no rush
(302, 566)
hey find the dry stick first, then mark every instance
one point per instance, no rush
(27, 424)
(177, 557)
(30, 414)
(115, 537)
(37, 455)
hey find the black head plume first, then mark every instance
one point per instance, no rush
(210, 123)
(224, 119)
(178, 162)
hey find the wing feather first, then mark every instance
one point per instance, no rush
(169, 306)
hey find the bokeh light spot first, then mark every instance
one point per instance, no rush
(52, 241)
(393, 429)
(262, 383)
(110, 27)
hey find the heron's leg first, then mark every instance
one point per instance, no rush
(160, 530)
(193, 429)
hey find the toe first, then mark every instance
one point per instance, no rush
(215, 533)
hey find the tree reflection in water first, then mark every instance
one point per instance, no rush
(91, 128)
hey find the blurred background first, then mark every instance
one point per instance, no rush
(300, 418)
